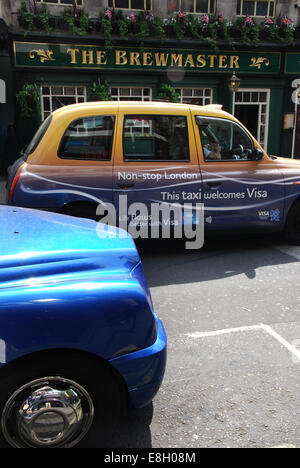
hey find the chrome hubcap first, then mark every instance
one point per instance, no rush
(48, 412)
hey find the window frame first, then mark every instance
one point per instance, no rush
(143, 161)
(113, 5)
(266, 124)
(131, 97)
(62, 3)
(240, 13)
(210, 8)
(245, 131)
(72, 158)
(193, 97)
(51, 95)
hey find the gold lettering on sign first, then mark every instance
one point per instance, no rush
(212, 60)
(189, 61)
(42, 54)
(147, 59)
(101, 57)
(121, 58)
(87, 57)
(223, 61)
(161, 59)
(176, 59)
(201, 62)
(73, 53)
(135, 58)
(234, 61)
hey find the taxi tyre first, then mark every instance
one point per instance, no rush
(292, 226)
(99, 401)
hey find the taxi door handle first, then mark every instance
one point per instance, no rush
(214, 184)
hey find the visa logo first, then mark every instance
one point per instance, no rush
(263, 214)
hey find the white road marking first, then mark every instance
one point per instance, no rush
(292, 349)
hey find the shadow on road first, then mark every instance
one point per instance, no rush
(132, 431)
(167, 262)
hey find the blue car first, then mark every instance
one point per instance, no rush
(79, 339)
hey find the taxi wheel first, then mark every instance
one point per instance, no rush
(292, 227)
(58, 402)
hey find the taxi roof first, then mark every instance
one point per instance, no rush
(210, 109)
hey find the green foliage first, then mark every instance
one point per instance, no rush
(168, 93)
(248, 29)
(28, 99)
(78, 24)
(99, 92)
(157, 27)
(204, 28)
(34, 17)
(44, 17)
(26, 16)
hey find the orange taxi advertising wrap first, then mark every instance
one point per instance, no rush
(154, 168)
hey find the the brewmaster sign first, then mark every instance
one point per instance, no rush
(42, 55)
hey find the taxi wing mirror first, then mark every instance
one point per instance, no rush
(257, 154)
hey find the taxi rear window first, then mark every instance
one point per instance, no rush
(155, 138)
(88, 138)
(37, 137)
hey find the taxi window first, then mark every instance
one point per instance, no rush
(155, 138)
(89, 138)
(223, 140)
(37, 137)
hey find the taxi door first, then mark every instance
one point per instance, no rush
(242, 188)
(156, 168)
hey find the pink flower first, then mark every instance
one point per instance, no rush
(108, 13)
(132, 17)
(205, 19)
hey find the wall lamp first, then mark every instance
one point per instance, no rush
(233, 83)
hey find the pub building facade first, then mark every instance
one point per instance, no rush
(66, 64)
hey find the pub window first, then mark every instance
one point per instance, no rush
(54, 97)
(89, 138)
(196, 6)
(256, 7)
(199, 96)
(130, 4)
(62, 2)
(155, 138)
(130, 94)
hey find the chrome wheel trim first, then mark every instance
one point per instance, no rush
(47, 412)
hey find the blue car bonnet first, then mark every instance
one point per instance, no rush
(45, 243)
